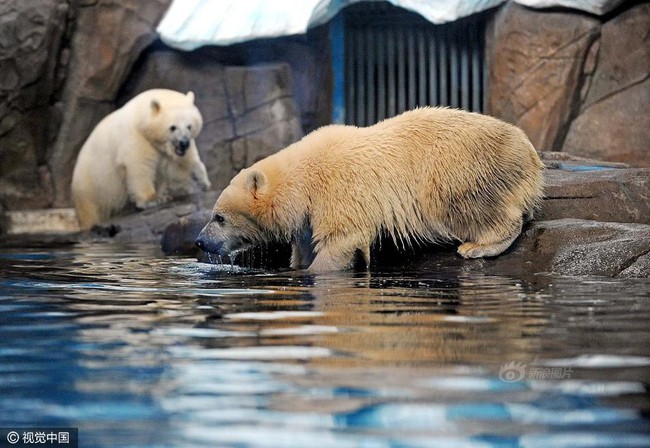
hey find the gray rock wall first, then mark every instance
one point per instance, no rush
(573, 82)
(613, 121)
(31, 39)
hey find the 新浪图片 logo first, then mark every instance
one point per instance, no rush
(514, 371)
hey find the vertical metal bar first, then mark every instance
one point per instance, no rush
(401, 72)
(337, 44)
(433, 65)
(422, 68)
(359, 61)
(464, 43)
(392, 104)
(476, 69)
(381, 73)
(411, 89)
(442, 57)
(371, 110)
(350, 84)
(483, 67)
(453, 67)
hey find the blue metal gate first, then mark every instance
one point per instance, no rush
(394, 60)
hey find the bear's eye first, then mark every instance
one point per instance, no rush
(172, 128)
(218, 218)
(189, 127)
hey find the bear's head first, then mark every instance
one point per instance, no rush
(241, 216)
(172, 123)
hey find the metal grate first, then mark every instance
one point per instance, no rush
(395, 61)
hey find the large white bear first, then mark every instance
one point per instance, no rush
(142, 153)
(427, 175)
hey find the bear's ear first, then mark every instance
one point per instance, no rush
(190, 95)
(155, 107)
(256, 182)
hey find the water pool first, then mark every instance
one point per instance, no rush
(140, 350)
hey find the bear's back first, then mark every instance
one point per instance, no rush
(439, 161)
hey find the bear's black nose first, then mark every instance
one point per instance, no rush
(209, 244)
(180, 147)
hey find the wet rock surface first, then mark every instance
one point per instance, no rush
(166, 222)
(574, 247)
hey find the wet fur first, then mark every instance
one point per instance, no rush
(427, 175)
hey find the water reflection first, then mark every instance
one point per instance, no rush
(140, 350)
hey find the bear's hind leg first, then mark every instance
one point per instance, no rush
(492, 242)
(328, 261)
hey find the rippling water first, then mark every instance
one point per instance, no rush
(140, 350)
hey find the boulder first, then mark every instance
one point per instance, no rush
(590, 247)
(577, 247)
(640, 268)
(601, 194)
(178, 237)
(614, 118)
(150, 225)
(535, 64)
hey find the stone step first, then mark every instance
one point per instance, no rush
(44, 221)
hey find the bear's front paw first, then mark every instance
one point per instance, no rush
(164, 197)
(142, 205)
(205, 186)
(201, 178)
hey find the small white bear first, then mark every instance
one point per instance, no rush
(143, 153)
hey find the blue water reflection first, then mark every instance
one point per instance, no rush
(143, 351)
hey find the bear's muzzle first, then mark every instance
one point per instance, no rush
(209, 244)
(181, 146)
